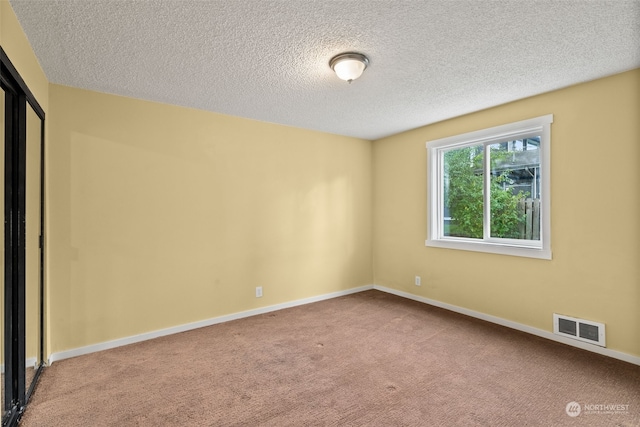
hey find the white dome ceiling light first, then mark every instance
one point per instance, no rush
(349, 66)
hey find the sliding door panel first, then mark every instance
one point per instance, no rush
(32, 246)
(21, 263)
(2, 312)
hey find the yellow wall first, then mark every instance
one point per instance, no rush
(595, 206)
(162, 215)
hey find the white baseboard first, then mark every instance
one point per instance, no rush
(514, 325)
(208, 322)
(54, 357)
(31, 362)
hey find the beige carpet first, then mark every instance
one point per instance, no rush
(368, 359)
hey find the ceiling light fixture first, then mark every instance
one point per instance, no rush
(349, 66)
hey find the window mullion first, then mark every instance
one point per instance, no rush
(439, 194)
(486, 194)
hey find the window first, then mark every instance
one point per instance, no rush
(488, 190)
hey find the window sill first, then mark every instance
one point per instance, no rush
(492, 248)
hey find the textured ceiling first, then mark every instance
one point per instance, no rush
(268, 60)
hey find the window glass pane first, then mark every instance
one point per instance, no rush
(515, 189)
(462, 191)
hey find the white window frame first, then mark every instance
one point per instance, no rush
(539, 126)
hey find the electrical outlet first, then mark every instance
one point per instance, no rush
(258, 291)
(418, 281)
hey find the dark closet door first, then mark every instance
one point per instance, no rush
(22, 236)
(2, 298)
(33, 248)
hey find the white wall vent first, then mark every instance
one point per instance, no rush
(579, 329)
